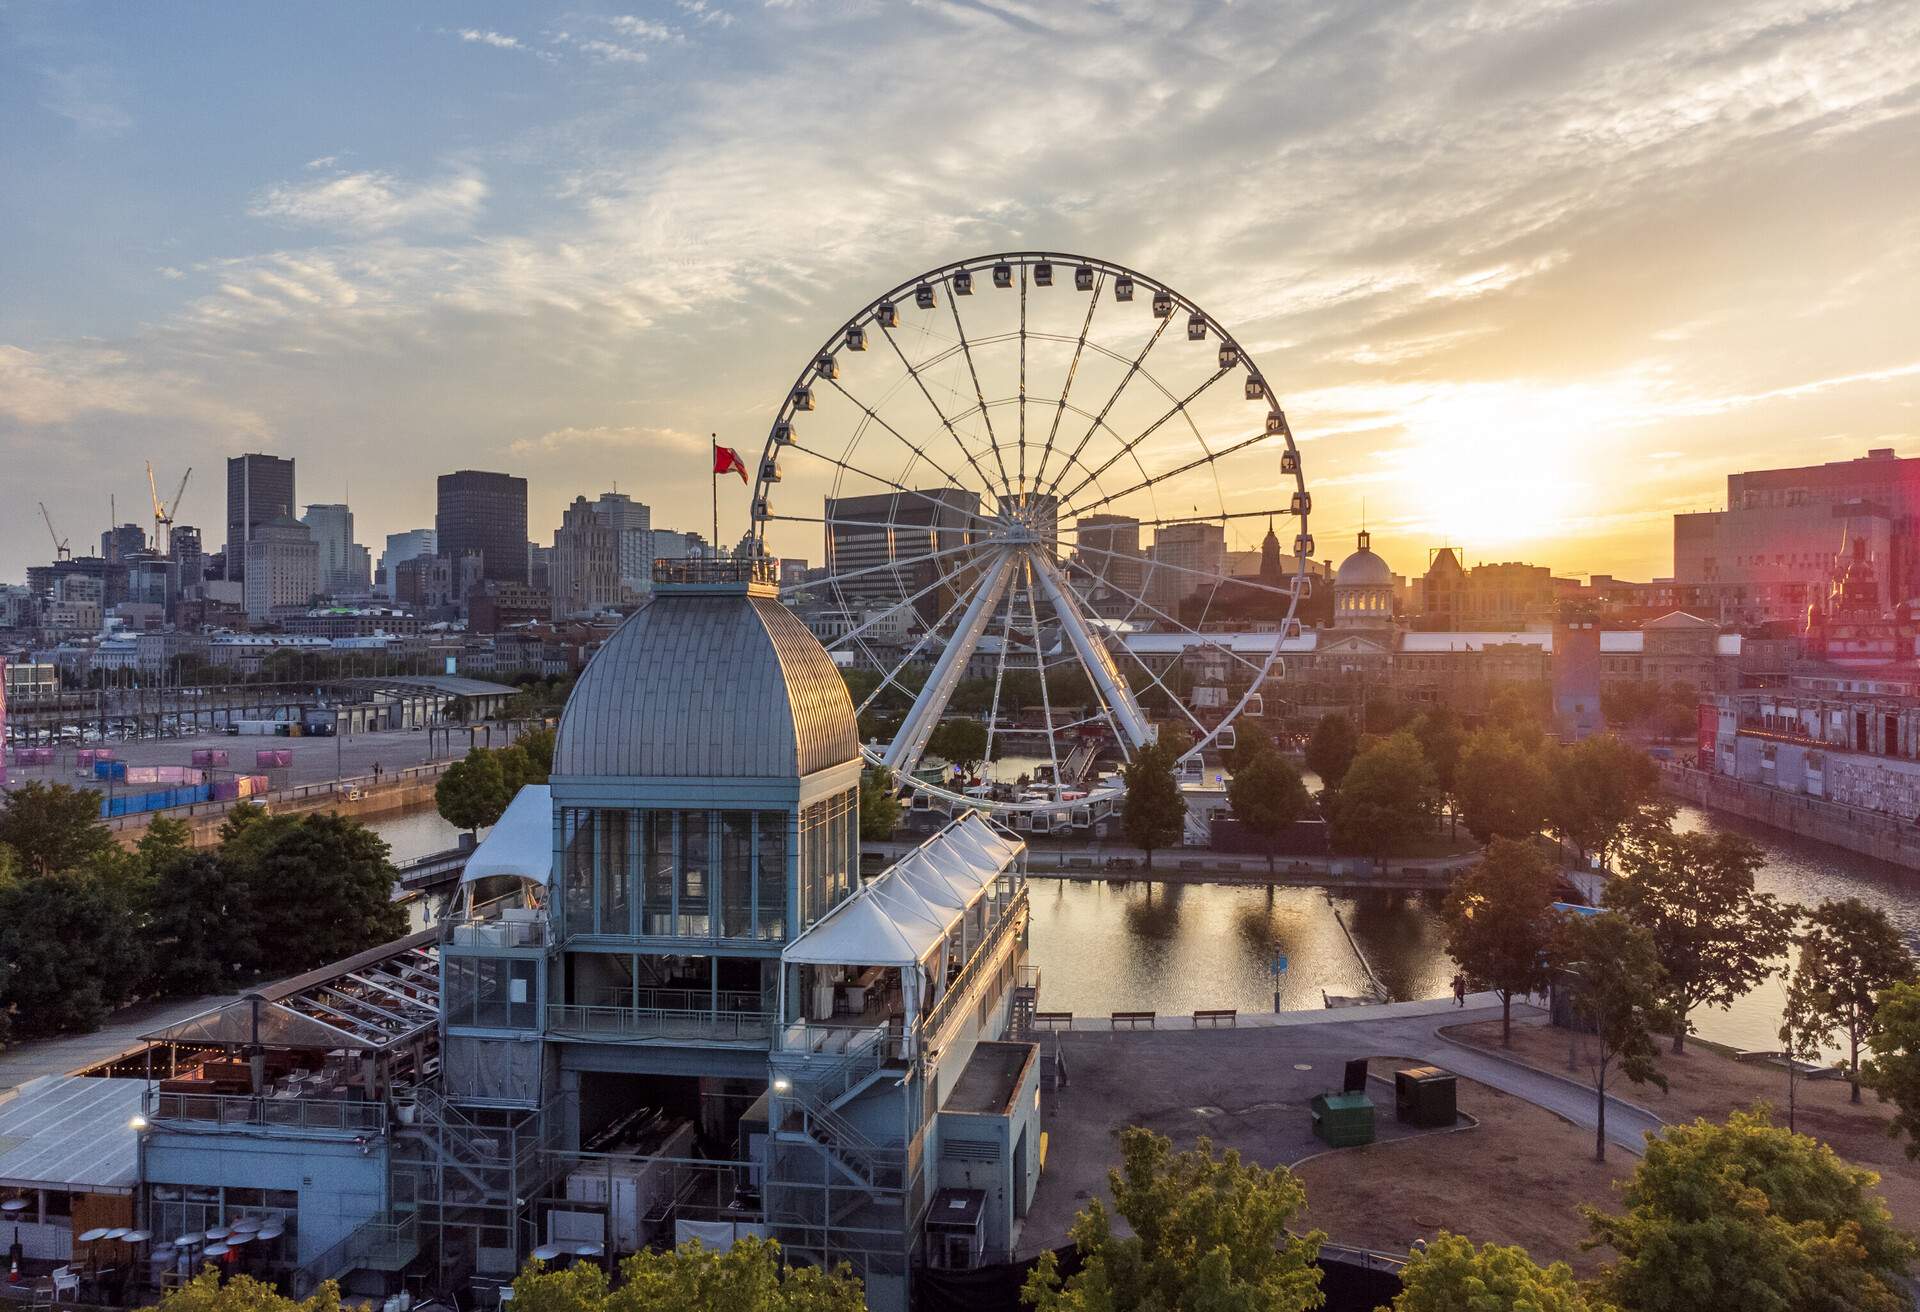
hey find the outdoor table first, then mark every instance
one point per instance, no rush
(246, 1225)
(135, 1237)
(548, 1252)
(589, 1250)
(217, 1251)
(95, 1235)
(270, 1231)
(218, 1233)
(188, 1241)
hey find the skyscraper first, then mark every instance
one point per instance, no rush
(343, 562)
(632, 525)
(891, 545)
(484, 514)
(283, 566)
(402, 547)
(259, 487)
(585, 571)
(118, 543)
(189, 565)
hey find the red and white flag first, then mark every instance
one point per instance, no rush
(727, 461)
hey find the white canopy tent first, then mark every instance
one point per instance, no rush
(520, 843)
(931, 901)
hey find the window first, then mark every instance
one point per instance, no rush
(615, 863)
(736, 874)
(577, 872)
(657, 877)
(813, 868)
(492, 993)
(770, 874)
(694, 916)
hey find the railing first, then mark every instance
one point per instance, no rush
(490, 925)
(806, 1056)
(380, 1244)
(287, 1113)
(963, 983)
(652, 999)
(571, 1020)
(699, 569)
(883, 1168)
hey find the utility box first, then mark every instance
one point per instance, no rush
(1343, 1120)
(1424, 1096)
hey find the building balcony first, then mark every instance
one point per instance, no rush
(286, 1110)
(703, 1024)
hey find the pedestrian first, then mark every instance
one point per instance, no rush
(1459, 989)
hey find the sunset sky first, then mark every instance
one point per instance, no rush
(1528, 277)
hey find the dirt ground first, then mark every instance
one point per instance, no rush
(1518, 1178)
(1706, 1083)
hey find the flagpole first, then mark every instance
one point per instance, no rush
(713, 479)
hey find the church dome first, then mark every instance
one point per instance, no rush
(708, 685)
(1363, 569)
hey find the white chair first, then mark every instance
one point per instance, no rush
(66, 1283)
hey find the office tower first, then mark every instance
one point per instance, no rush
(402, 547)
(886, 547)
(259, 488)
(120, 542)
(632, 525)
(283, 566)
(1107, 547)
(189, 562)
(484, 514)
(585, 569)
(1186, 558)
(344, 566)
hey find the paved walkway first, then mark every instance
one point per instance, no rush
(1413, 1029)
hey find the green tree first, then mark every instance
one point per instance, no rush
(1598, 789)
(53, 826)
(472, 793)
(166, 843)
(71, 949)
(1717, 938)
(1441, 741)
(1500, 787)
(1849, 954)
(1252, 738)
(210, 1292)
(1893, 1072)
(1386, 801)
(1451, 1275)
(1153, 815)
(1619, 991)
(1748, 1215)
(879, 808)
(1501, 922)
(321, 887)
(198, 923)
(961, 740)
(1331, 749)
(1267, 796)
(749, 1277)
(1207, 1233)
(538, 746)
(1522, 711)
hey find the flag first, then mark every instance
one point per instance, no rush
(727, 461)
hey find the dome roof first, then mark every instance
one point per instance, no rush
(1363, 569)
(708, 685)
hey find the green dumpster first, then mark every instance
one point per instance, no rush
(1343, 1120)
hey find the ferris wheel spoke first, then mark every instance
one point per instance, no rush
(1252, 585)
(1023, 379)
(1073, 368)
(911, 740)
(1183, 519)
(880, 617)
(1207, 459)
(867, 571)
(1000, 674)
(986, 481)
(1132, 370)
(848, 467)
(1144, 604)
(1127, 449)
(953, 305)
(1040, 668)
(1093, 653)
(918, 450)
(891, 678)
(1171, 695)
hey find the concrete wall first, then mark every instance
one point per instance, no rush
(341, 1183)
(1849, 827)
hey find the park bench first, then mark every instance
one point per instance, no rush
(1053, 1020)
(1133, 1020)
(1214, 1018)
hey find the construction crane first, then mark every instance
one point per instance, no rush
(60, 549)
(164, 511)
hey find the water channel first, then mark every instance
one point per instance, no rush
(1140, 945)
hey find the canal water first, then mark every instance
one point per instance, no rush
(1140, 945)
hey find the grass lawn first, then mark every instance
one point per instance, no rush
(1708, 1083)
(1516, 1178)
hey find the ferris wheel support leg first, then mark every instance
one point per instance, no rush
(911, 741)
(1093, 653)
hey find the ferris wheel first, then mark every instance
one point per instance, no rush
(981, 451)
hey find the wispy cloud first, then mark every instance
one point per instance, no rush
(89, 97)
(370, 202)
(498, 40)
(611, 51)
(636, 440)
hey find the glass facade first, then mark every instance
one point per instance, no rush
(705, 874)
(494, 993)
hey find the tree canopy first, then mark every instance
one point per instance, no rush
(749, 1277)
(206, 1292)
(1331, 749)
(1451, 1275)
(1716, 936)
(1597, 789)
(1619, 991)
(1153, 815)
(1893, 1073)
(321, 888)
(1501, 922)
(1267, 796)
(879, 808)
(53, 827)
(961, 740)
(473, 792)
(1748, 1215)
(1849, 953)
(1207, 1232)
(1386, 800)
(71, 950)
(1441, 739)
(1500, 787)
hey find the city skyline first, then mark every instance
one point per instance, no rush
(560, 270)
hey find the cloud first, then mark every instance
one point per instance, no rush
(47, 388)
(498, 40)
(371, 202)
(612, 52)
(705, 13)
(89, 97)
(633, 438)
(641, 29)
